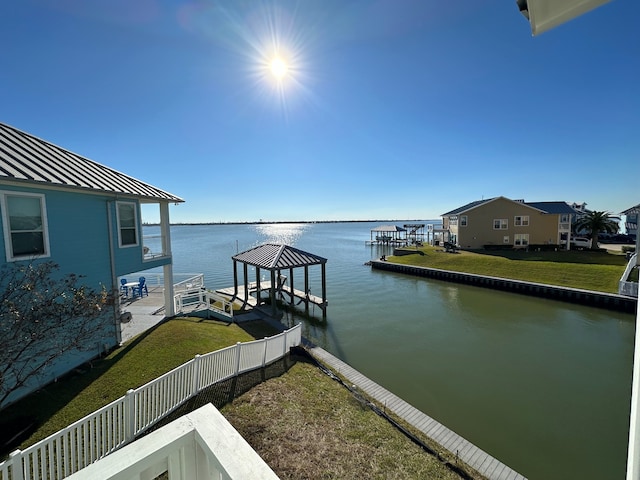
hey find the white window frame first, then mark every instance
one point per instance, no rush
(506, 240)
(453, 220)
(521, 221)
(6, 226)
(521, 239)
(463, 220)
(504, 224)
(135, 220)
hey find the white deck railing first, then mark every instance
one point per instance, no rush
(625, 287)
(211, 301)
(118, 423)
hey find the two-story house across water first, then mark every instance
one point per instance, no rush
(502, 222)
(85, 217)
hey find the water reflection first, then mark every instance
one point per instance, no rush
(287, 233)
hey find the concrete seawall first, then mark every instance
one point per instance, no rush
(584, 297)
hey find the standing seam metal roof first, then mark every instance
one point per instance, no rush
(27, 158)
(273, 256)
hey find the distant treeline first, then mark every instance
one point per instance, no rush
(146, 224)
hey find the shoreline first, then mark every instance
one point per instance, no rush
(590, 298)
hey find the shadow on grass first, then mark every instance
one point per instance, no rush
(226, 391)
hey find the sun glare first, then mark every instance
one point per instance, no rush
(278, 68)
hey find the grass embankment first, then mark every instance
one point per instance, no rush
(599, 271)
(303, 423)
(137, 362)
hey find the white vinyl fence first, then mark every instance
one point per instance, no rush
(120, 422)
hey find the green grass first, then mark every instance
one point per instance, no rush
(306, 426)
(137, 362)
(599, 271)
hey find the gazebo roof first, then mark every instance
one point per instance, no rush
(274, 256)
(388, 228)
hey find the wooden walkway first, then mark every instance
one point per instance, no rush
(476, 458)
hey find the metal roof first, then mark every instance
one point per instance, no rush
(466, 207)
(274, 256)
(631, 210)
(546, 207)
(553, 207)
(24, 157)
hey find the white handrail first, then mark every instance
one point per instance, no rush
(114, 425)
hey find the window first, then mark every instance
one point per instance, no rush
(521, 239)
(25, 225)
(463, 220)
(505, 240)
(500, 224)
(453, 220)
(564, 218)
(127, 224)
(521, 221)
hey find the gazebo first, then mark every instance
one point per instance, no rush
(275, 258)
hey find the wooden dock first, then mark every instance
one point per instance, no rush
(281, 290)
(468, 453)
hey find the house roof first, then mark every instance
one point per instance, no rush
(553, 207)
(26, 158)
(635, 209)
(275, 256)
(546, 207)
(466, 207)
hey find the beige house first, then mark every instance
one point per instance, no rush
(501, 222)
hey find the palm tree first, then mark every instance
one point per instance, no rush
(596, 222)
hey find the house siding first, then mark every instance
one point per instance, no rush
(542, 228)
(78, 231)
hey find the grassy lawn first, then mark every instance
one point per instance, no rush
(303, 423)
(306, 426)
(135, 363)
(599, 271)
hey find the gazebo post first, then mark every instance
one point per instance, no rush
(258, 288)
(306, 288)
(246, 283)
(324, 290)
(272, 292)
(235, 278)
(291, 285)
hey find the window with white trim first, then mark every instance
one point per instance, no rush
(463, 220)
(453, 220)
(521, 221)
(521, 239)
(24, 220)
(500, 224)
(505, 240)
(127, 224)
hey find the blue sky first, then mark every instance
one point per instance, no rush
(390, 109)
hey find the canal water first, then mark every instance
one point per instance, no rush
(544, 386)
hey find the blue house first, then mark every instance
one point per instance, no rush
(61, 207)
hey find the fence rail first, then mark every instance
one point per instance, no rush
(114, 425)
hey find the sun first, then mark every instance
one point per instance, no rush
(278, 68)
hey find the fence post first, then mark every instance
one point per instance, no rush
(264, 352)
(195, 387)
(17, 469)
(238, 347)
(129, 415)
(284, 348)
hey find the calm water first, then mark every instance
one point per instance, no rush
(544, 386)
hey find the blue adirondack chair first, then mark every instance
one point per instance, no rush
(123, 287)
(142, 287)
